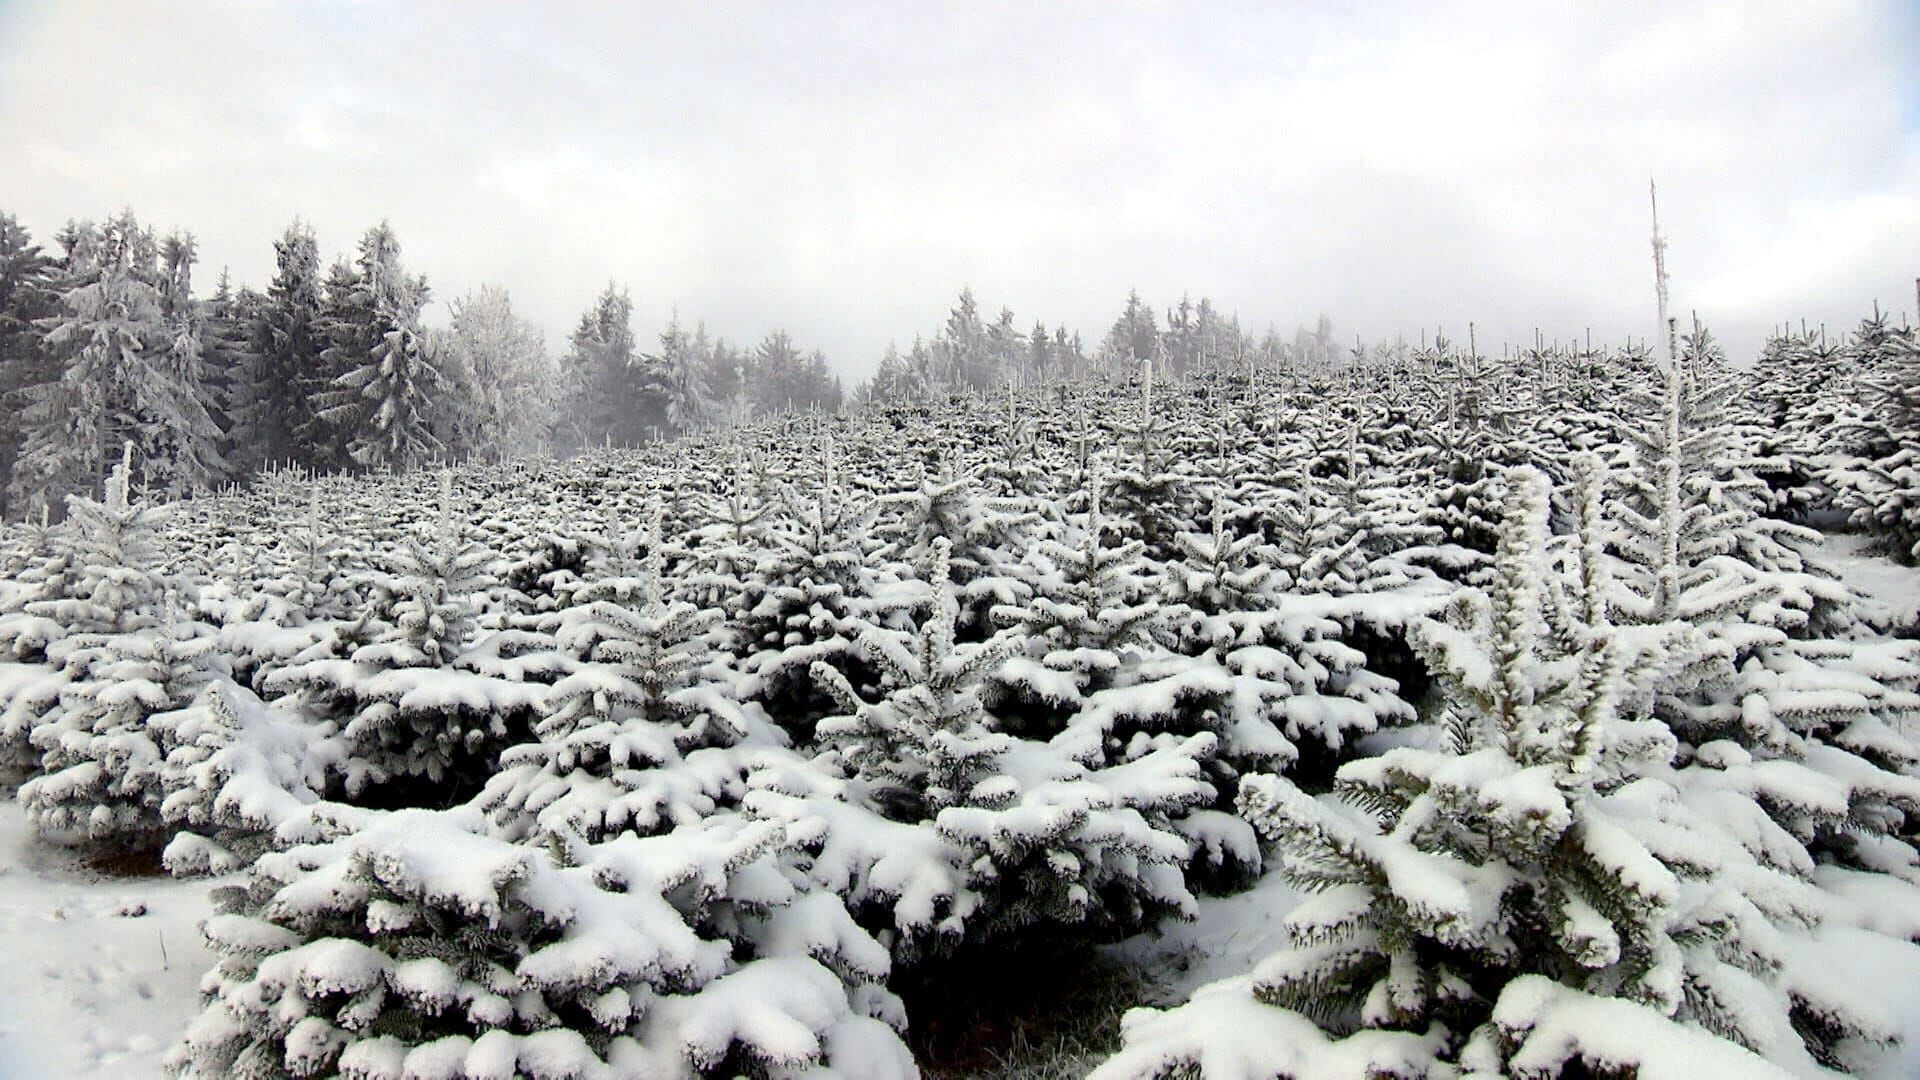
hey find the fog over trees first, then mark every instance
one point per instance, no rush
(104, 340)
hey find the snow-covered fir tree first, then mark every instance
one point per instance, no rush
(1883, 493)
(1023, 835)
(598, 391)
(1470, 904)
(182, 438)
(639, 735)
(499, 394)
(683, 362)
(1096, 667)
(727, 545)
(392, 396)
(1144, 492)
(981, 533)
(27, 278)
(101, 766)
(240, 778)
(419, 701)
(819, 588)
(1294, 681)
(417, 945)
(365, 389)
(278, 400)
(129, 369)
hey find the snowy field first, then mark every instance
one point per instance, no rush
(773, 750)
(103, 970)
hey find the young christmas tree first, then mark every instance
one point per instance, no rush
(1294, 680)
(240, 778)
(1883, 493)
(810, 600)
(1022, 836)
(929, 743)
(639, 736)
(102, 770)
(1471, 905)
(984, 536)
(419, 946)
(419, 703)
(96, 588)
(727, 548)
(1145, 494)
(1091, 608)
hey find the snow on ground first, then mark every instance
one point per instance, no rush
(89, 988)
(1888, 593)
(1230, 936)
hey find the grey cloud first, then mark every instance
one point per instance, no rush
(843, 169)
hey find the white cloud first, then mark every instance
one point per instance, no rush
(842, 170)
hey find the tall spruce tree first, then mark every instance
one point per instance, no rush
(234, 368)
(598, 375)
(108, 340)
(395, 395)
(26, 296)
(365, 306)
(682, 367)
(499, 399)
(278, 402)
(183, 437)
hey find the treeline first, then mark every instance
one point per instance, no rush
(105, 343)
(972, 354)
(332, 368)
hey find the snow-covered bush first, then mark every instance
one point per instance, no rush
(985, 536)
(1092, 618)
(953, 830)
(418, 946)
(641, 734)
(1143, 490)
(1294, 680)
(101, 778)
(43, 565)
(421, 701)
(1882, 492)
(239, 778)
(110, 579)
(1486, 897)
(810, 599)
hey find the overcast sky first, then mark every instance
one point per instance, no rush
(841, 170)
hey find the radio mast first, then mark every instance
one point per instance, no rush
(1667, 327)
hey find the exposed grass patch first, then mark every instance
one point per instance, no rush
(126, 862)
(1034, 1012)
